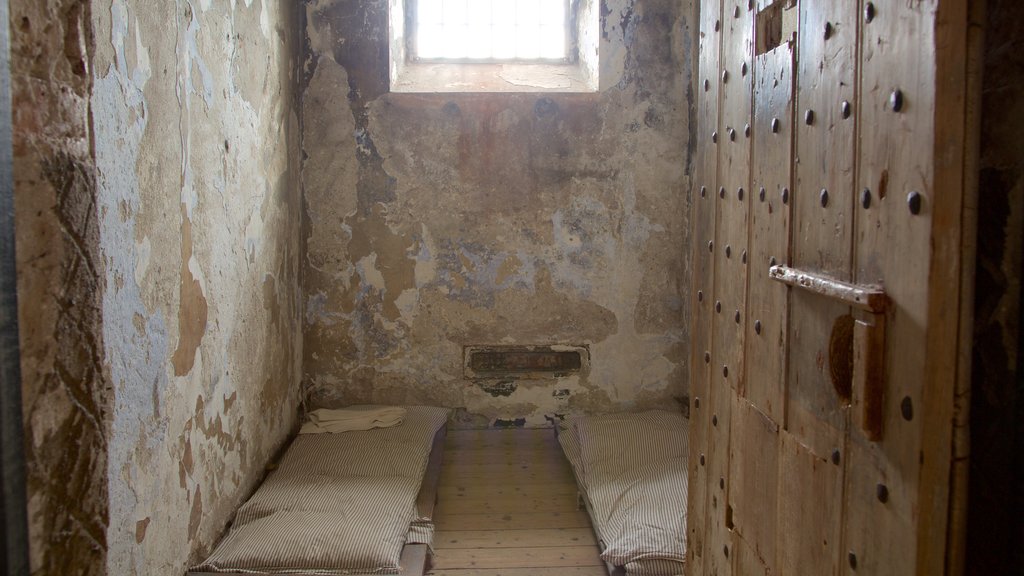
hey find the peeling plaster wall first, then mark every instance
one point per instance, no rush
(435, 221)
(65, 400)
(195, 137)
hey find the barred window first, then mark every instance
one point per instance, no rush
(483, 46)
(491, 31)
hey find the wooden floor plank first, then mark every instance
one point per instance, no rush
(478, 446)
(503, 463)
(502, 468)
(560, 571)
(513, 503)
(515, 557)
(527, 483)
(496, 455)
(504, 458)
(489, 439)
(508, 476)
(537, 538)
(471, 445)
(511, 521)
(476, 490)
(507, 506)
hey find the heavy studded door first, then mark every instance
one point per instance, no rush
(827, 220)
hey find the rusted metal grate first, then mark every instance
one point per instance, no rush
(524, 361)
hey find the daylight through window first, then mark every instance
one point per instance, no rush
(491, 30)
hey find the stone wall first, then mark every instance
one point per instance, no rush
(66, 400)
(995, 533)
(438, 221)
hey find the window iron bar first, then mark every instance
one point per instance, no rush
(490, 31)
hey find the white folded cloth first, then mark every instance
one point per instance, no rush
(326, 420)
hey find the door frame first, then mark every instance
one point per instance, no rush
(13, 506)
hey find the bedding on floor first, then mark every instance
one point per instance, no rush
(325, 420)
(338, 503)
(632, 474)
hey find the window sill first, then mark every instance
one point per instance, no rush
(443, 78)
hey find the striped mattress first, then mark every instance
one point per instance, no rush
(632, 473)
(336, 504)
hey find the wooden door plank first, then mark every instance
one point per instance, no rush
(716, 561)
(484, 558)
(730, 274)
(733, 197)
(959, 53)
(767, 314)
(702, 218)
(534, 538)
(754, 474)
(746, 560)
(875, 511)
(896, 130)
(826, 89)
(809, 505)
(823, 204)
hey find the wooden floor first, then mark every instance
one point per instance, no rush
(507, 507)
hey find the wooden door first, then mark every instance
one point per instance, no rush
(827, 218)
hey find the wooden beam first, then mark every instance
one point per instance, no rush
(956, 548)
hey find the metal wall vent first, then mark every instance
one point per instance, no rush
(524, 361)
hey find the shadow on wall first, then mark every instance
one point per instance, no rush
(996, 503)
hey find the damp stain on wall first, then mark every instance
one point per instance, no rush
(192, 307)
